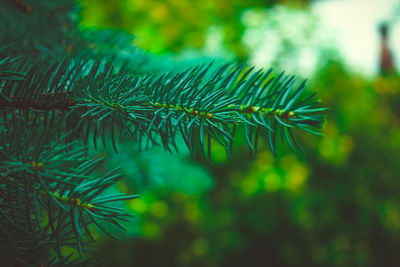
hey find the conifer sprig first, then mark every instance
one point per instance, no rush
(199, 104)
(37, 180)
(61, 84)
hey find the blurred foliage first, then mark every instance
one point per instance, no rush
(165, 26)
(338, 204)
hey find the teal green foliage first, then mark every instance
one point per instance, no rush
(337, 204)
(156, 168)
(63, 88)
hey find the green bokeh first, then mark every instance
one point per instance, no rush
(337, 204)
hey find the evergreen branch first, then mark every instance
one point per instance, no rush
(53, 93)
(8, 70)
(35, 178)
(200, 103)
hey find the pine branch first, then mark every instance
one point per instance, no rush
(58, 87)
(8, 71)
(35, 179)
(199, 104)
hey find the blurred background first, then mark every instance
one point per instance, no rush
(336, 204)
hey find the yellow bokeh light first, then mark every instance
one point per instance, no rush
(159, 13)
(272, 181)
(159, 209)
(138, 205)
(296, 177)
